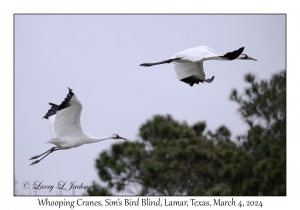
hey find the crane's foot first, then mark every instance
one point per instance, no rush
(210, 80)
(35, 162)
(34, 157)
(145, 64)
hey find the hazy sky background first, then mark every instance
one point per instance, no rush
(98, 56)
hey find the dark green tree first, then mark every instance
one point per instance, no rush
(263, 107)
(98, 190)
(172, 158)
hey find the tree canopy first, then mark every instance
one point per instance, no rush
(173, 158)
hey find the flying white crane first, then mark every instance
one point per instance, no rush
(64, 121)
(188, 64)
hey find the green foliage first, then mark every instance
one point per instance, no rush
(173, 158)
(263, 107)
(98, 190)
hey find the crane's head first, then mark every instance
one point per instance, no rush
(116, 136)
(245, 57)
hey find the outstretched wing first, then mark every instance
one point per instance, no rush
(67, 120)
(203, 53)
(197, 54)
(50, 115)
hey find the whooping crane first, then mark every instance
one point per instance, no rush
(64, 121)
(188, 64)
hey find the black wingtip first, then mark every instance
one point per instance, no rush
(70, 91)
(65, 103)
(234, 54)
(51, 111)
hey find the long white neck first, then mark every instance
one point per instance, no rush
(91, 139)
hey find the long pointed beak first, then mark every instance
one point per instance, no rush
(249, 58)
(122, 138)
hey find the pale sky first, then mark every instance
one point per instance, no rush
(98, 56)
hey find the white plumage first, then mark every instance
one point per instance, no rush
(65, 127)
(188, 64)
(199, 54)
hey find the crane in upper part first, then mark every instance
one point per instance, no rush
(188, 64)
